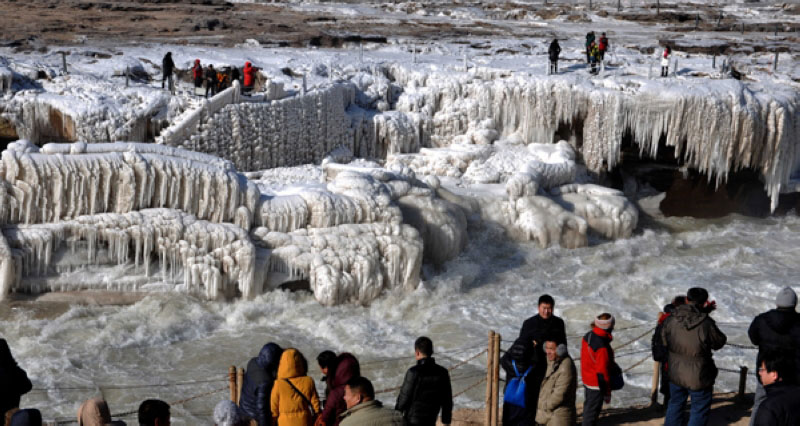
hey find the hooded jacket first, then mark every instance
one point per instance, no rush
(345, 368)
(690, 335)
(554, 50)
(426, 390)
(167, 65)
(288, 407)
(779, 330)
(14, 380)
(597, 357)
(557, 396)
(371, 413)
(249, 74)
(521, 354)
(780, 407)
(27, 417)
(197, 70)
(258, 381)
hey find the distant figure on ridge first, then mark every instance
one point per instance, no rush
(211, 80)
(426, 389)
(154, 412)
(780, 408)
(167, 67)
(535, 330)
(599, 372)
(259, 379)
(589, 41)
(665, 57)
(594, 54)
(554, 51)
(14, 381)
(344, 368)
(602, 47)
(249, 77)
(294, 400)
(776, 330)
(557, 394)
(197, 75)
(657, 347)
(690, 335)
(363, 409)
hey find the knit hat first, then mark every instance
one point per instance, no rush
(786, 298)
(605, 324)
(561, 350)
(226, 413)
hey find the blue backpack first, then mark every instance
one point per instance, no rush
(515, 391)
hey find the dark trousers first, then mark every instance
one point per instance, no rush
(554, 66)
(592, 404)
(167, 79)
(664, 71)
(211, 87)
(698, 412)
(594, 67)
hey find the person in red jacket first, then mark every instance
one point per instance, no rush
(345, 368)
(249, 76)
(597, 365)
(602, 46)
(197, 74)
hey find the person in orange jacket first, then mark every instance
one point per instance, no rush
(294, 400)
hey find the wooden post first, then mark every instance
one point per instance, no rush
(719, 20)
(742, 27)
(489, 364)
(239, 384)
(696, 21)
(64, 61)
(658, 7)
(714, 61)
(232, 381)
(496, 381)
(775, 64)
(742, 381)
(654, 386)
(127, 76)
(619, 5)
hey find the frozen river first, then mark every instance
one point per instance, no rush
(175, 338)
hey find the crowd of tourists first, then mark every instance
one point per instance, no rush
(214, 80)
(541, 377)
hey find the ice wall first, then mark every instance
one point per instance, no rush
(715, 126)
(60, 182)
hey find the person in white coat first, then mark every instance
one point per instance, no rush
(665, 61)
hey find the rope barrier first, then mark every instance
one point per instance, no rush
(735, 345)
(636, 364)
(467, 360)
(178, 402)
(117, 387)
(635, 339)
(468, 388)
(410, 357)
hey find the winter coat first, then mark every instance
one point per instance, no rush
(426, 390)
(556, 405)
(288, 407)
(371, 413)
(554, 50)
(538, 329)
(594, 53)
(27, 417)
(777, 330)
(780, 407)
(690, 335)
(589, 40)
(258, 381)
(603, 44)
(197, 70)
(210, 74)
(167, 66)
(346, 367)
(249, 74)
(14, 380)
(521, 353)
(665, 58)
(656, 346)
(597, 360)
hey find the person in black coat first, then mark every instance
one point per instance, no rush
(258, 380)
(777, 329)
(779, 408)
(167, 67)
(13, 380)
(554, 51)
(426, 389)
(536, 329)
(520, 354)
(211, 80)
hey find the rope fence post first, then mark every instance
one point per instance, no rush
(496, 381)
(742, 382)
(654, 387)
(239, 384)
(232, 381)
(489, 364)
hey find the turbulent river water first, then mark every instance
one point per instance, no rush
(126, 353)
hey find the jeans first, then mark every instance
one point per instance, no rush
(761, 395)
(592, 404)
(700, 407)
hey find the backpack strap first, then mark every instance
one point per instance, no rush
(514, 363)
(305, 398)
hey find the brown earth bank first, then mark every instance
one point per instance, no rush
(726, 409)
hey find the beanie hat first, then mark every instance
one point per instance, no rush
(605, 324)
(226, 413)
(561, 350)
(786, 298)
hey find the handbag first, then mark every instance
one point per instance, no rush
(515, 390)
(314, 414)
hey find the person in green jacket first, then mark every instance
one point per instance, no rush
(363, 409)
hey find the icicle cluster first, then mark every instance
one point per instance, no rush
(347, 263)
(210, 259)
(62, 182)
